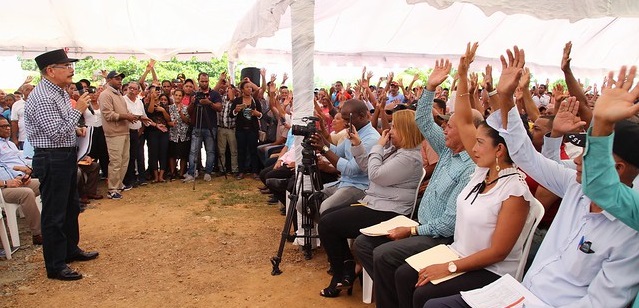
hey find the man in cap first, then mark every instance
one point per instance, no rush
(51, 125)
(115, 123)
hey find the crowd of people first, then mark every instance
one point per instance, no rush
(484, 151)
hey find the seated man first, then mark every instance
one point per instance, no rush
(19, 188)
(354, 180)
(88, 180)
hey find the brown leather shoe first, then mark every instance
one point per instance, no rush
(37, 239)
(84, 200)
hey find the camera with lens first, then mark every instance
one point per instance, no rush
(308, 151)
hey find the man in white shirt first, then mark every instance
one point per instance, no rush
(135, 107)
(18, 130)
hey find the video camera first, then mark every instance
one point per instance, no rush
(308, 151)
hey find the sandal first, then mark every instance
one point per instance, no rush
(331, 291)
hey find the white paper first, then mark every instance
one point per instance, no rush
(436, 255)
(382, 228)
(84, 143)
(504, 292)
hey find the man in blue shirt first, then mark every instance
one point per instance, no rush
(353, 181)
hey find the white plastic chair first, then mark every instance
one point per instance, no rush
(367, 281)
(534, 218)
(4, 238)
(11, 210)
(412, 213)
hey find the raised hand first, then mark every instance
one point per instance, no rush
(467, 58)
(369, 75)
(473, 82)
(439, 74)
(263, 72)
(566, 119)
(524, 81)
(488, 79)
(511, 71)
(284, 78)
(617, 101)
(273, 78)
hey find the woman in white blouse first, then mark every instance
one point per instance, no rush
(491, 210)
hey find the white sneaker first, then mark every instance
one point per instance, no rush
(196, 174)
(188, 178)
(207, 177)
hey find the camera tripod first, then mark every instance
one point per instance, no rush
(311, 199)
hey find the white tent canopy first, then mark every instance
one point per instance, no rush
(377, 33)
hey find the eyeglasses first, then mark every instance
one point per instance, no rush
(5, 126)
(66, 66)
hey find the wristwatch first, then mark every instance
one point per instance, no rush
(325, 149)
(4, 184)
(413, 231)
(452, 268)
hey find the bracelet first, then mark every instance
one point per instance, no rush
(413, 231)
(492, 93)
(4, 185)
(463, 94)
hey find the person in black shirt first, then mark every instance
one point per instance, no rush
(246, 112)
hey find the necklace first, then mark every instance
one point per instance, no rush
(479, 188)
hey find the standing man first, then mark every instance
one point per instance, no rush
(115, 122)
(51, 128)
(135, 106)
(203, 112)
(226, 129)
(18, 131)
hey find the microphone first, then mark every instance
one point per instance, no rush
(81, 91)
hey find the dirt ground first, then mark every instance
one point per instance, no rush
(167, 245)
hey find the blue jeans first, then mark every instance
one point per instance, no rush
(57, 171)
(208, 136)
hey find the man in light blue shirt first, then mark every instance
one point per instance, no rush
(588, 258)
(353, 181)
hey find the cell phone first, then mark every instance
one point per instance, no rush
(350, 123)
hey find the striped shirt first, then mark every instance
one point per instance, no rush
(49, 118)
(437, 210)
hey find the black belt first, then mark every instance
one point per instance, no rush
(69, 149)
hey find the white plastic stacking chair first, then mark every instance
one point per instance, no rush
(4, 238)
(11, 210)
(533, 220)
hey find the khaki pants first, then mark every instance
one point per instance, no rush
(26, 197)
(118, 147)
(227, 136)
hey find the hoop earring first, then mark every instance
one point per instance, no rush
(497, 164)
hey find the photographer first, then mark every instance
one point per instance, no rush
(203, 113)
(354, 180)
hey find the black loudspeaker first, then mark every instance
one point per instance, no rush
(253, 74)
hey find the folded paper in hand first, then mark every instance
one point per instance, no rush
(383, 227)
(436, 255)
(503, 292)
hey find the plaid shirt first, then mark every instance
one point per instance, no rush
(224, 119)
(49, 118)
(437, 210)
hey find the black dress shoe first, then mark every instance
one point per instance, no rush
(83, 256)
(65, 274)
